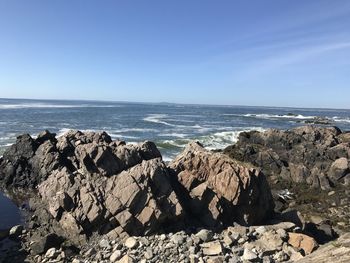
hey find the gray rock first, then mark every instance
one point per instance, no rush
(148, 254)
(249, 255)
(104, 243)
(205, 235)
(177, 239)
(90, 252)
(212, 248)
(116, 255)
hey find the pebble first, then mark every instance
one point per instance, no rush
(205, 235)
(131, 242)
(249, 255)
(116, 255)
(51, 253)
(148, 254)
(104, 243)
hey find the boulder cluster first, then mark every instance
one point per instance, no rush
(317, 156)
(98, 200)
(273, 243)
(89, 185)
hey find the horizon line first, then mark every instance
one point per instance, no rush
(176, 103)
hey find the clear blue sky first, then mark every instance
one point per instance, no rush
(277, 52)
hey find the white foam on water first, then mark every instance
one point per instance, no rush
(174, 134)
(272, 116)
(340, 119)
(176, 143)
(167, 158)
(160, 118)
(114, 135)
(136, 130)
(6, 145)
(217, 140)
(157, 118)
(121, 136)
(221, 140)
(276, 116)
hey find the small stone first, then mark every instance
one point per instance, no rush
(205, 235)
(51, 253)
(126, 259)
(77, 261)
(116, 255)
(131, 242)
(261, 230)
(216, 260)
(331, 193)
(228, 240)
(235, 236)
(177, 239)
(281, 256)
(162, 237)
(104, 243)
(148, 254)
(16, 231)
(212, 248)
(249, 255)
(90, 252)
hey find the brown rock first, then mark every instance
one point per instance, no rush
(220, 190)
(301, 241)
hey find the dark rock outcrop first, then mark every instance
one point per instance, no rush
(318, 156)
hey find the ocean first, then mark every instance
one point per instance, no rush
(170, 126)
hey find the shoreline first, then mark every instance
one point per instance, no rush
(292, 207)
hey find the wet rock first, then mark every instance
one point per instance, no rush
(15, 231)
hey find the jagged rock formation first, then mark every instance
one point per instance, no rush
(89, 185)
(220, 190)
(317, 156)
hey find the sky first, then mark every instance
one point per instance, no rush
(267, 53)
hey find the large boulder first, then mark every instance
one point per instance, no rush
(137, 201)
(318, 156)
(218, 190)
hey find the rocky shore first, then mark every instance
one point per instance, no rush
(98, 200)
